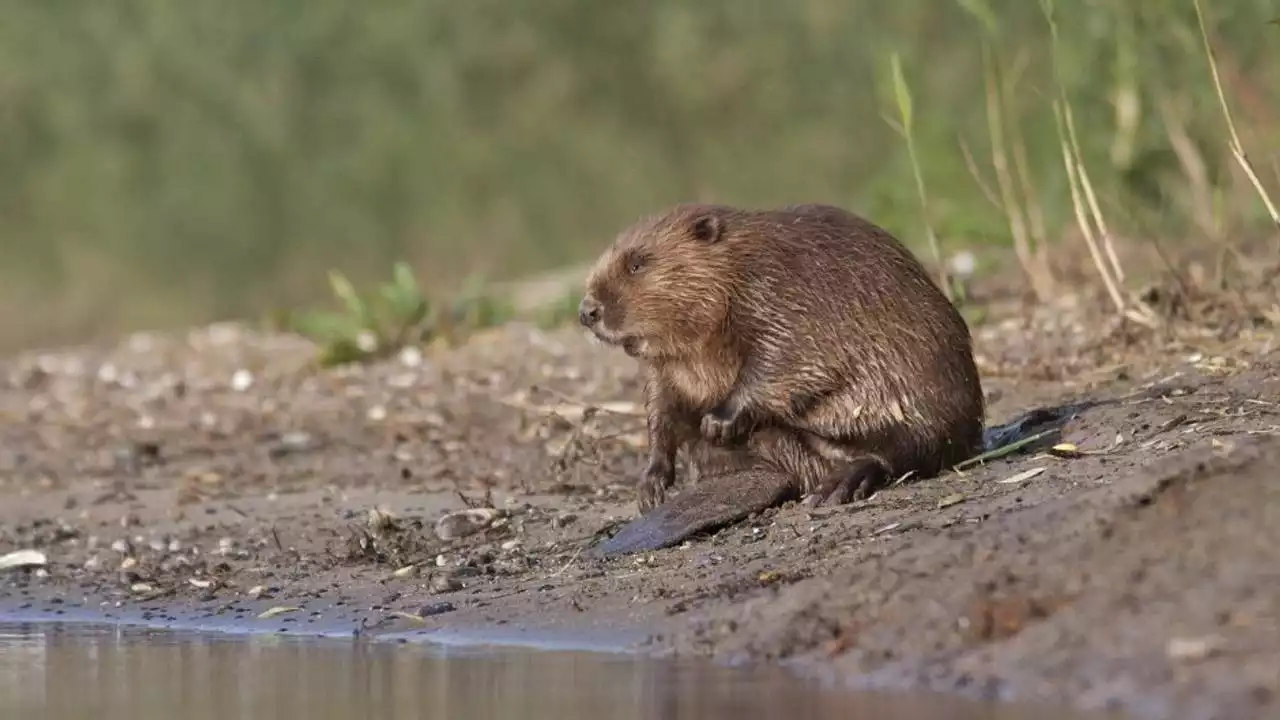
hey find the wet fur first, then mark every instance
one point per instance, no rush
(799, 350)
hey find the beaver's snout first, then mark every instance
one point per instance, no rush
(589, 311)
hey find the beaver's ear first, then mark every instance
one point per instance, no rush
(708, 227)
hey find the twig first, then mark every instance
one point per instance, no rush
(588, 406)
(569, 564)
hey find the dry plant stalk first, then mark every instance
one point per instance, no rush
(1082, 195)
(972, 166)
(1081, 218)
(1087, 187)
(1036, 272)
(1237, 149)
(1194, 168)
(902, 97)
(1036, 225)
(1074, 166)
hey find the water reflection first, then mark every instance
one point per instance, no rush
(70, 671)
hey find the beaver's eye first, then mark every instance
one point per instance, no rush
(635, 264)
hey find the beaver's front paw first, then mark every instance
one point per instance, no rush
(652, 488)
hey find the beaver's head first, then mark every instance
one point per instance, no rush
(662, 288)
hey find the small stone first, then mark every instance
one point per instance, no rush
(256, 591)
(1192, 649)
(436, 609)
(93, 564)
(121, 546)
(107, 373)
(297, 441)
(510, 544)
(411, 356)
(241, 380)
(445, 584)
(129, 563)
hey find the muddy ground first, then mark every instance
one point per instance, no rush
(216, 474)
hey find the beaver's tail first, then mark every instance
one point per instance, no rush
(711, 504)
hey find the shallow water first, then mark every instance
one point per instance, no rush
(76, 670)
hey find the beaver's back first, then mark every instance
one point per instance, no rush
(841, 318)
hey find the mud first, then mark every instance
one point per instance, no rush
(215, 479)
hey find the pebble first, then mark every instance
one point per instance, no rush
(445, 584)
(436, 609)
(411, 356)
(241, 380)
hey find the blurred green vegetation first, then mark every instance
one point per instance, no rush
(171, 162)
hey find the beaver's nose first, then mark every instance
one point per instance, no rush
(589, 311)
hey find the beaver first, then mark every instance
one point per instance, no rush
(794, 351)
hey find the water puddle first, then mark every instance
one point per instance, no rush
(80, 670)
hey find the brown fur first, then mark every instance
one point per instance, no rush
(803, 344)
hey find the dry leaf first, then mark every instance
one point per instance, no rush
(1066, 450)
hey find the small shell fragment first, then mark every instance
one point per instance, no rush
(23, 559)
